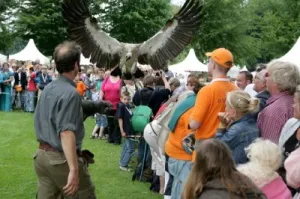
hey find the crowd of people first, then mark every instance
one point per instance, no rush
(228, 139)
(218, 139)
(21, 83)
(244, 132)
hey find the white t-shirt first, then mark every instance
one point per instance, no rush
(95, 96)
(250, 90)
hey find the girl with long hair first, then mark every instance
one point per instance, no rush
(215, 176)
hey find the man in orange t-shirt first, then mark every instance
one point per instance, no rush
(211, 98)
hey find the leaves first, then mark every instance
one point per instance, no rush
(254, 30)
(135, 21)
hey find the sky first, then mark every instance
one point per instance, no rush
(177, 2)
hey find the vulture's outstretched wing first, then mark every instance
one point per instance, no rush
(83, 29)
(173, 37)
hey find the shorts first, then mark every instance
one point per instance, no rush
(101, 120)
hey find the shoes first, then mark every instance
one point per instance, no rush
(92, 137)
(125, 169)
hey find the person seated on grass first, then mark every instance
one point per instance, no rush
(124, 115)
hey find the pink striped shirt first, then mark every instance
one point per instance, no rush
(272, 118)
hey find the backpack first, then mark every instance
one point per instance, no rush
(141, 116)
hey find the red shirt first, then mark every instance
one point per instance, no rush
(31, 82)
(271, 119)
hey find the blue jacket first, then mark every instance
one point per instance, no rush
(41, 82)
(239, 135)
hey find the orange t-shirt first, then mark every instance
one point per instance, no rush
(210, 101)
(80, 86)
(173, 146)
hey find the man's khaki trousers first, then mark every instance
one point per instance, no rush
(52, 170)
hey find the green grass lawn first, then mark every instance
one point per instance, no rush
(17, 177)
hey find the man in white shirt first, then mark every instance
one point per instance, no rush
(244, 82)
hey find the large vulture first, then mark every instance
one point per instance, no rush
(108, 52)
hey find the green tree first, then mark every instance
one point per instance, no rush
(134, 20)
(7, 36)
(275, 25)
(41, 20)
(225, 24)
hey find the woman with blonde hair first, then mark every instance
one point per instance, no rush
(265, 159)
(214, 175)
(237, 125)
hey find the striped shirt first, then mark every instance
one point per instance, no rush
(273, 117)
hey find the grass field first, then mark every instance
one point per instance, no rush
(17, 177)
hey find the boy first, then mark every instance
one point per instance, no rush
(124, 115)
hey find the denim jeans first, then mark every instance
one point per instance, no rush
(29, 101)
(127, 152)
(180, 171)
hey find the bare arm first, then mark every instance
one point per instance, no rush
(69, 147)
(101, 94)
(167, 85)
(194, 125)
(11, 78)
(120, 120)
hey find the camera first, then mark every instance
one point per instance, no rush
(188, 143)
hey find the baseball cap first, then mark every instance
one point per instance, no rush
(222, 56)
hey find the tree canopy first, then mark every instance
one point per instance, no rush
(255, 31)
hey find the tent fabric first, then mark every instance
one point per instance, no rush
(293, 55)
(233, 72)
(3, 58)
(30, 53)
(190, 63)
(244, 68)
(84, 61)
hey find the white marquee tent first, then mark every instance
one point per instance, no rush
(3, 58)
(84, 61)
(293, 55)
(190, 63)
(233, 72)
(30, 52)
(244, 68)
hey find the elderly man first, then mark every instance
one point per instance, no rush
(260, 87)
(282, 79)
